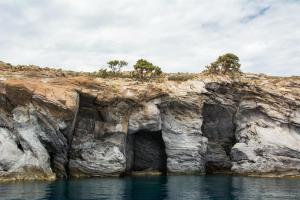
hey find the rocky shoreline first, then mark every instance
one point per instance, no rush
(61, 127)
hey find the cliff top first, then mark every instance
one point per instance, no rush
(59, 87)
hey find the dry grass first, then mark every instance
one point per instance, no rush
(180, 77)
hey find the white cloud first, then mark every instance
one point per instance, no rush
(179, 35)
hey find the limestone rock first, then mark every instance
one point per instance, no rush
(97, 146)
(63, 126)
(146, 117)
(185, 145)
(269, 144)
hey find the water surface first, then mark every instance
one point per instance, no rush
(154, 188)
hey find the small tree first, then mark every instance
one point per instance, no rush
(145, 70)
(116, 65)
(225, 64)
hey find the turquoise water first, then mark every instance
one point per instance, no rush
(156, 188)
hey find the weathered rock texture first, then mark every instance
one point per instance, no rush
(80, 126)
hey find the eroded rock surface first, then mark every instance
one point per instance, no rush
(185, 145)
(80, 126)
(268, 142)
(97, 146)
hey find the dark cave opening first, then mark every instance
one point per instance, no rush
(219, 127)
(145, 152)
(83, 125)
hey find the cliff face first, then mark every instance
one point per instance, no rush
(72, 127)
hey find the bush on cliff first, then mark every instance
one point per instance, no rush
(114, 69)
(227, 64)
(116, 65)
(145, 70)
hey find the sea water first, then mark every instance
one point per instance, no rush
(155, 188)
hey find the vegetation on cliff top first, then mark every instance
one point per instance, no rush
(116, 65)
(143, 69)
(227, 64)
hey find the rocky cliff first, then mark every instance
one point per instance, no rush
(58, 127)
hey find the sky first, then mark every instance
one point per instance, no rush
(177, 35)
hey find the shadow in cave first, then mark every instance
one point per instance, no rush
(145, 152)
(219, 127)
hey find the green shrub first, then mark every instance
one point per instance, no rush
(113, 69)
(225, 64)
(145, 70)
(116, 65)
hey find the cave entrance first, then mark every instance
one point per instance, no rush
(145, 152)
(219, 127)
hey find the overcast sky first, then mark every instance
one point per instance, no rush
(178, 35)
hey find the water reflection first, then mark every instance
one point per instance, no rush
(146, 188)
(143, 188)
(79, 189)
(265, 188)
(204, 187)
(23, 190)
